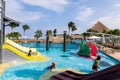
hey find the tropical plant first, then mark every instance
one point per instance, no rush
(12, 25)
(110, 32)
(50, 32)
(17, 35)
(104, 31)
(70, 25)
(25, 27)
(85, 34)
(74, 28)
(90, 30)
(13, 35)
(38, 34)
(8, 35)
(114, 32)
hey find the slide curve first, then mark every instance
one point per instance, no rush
(94, 50)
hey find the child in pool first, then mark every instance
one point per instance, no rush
(95, 66)
(52, 66)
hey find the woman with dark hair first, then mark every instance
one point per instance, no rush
(95, 66)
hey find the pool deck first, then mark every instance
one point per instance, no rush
(112, 52)
(4, 66)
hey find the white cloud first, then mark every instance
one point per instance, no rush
(117, 5)
(111, 22)
(16, 11)
(55, 5)
(84, 14)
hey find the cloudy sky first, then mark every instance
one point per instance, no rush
(51, 14)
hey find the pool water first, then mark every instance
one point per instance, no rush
(69, 59)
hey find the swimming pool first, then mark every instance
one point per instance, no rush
(69, 59)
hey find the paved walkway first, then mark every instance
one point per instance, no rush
(112, 52)
(10, 57)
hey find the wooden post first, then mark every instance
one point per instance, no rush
(64, 43)
(47, 41)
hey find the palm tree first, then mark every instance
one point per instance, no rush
(8, 35)
(17, 35)
(50, 32)
(38, 34)
(12, 25)
(70, 25)
(73, 28)
(14, 35)
(25, 27)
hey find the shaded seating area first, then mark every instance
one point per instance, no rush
(111, 73)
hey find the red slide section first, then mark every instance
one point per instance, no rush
(94, 50)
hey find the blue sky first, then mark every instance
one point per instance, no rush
(51, 14)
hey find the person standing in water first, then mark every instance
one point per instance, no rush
(95, 66)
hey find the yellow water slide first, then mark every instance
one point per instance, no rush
(22, 51)
(16, 45)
